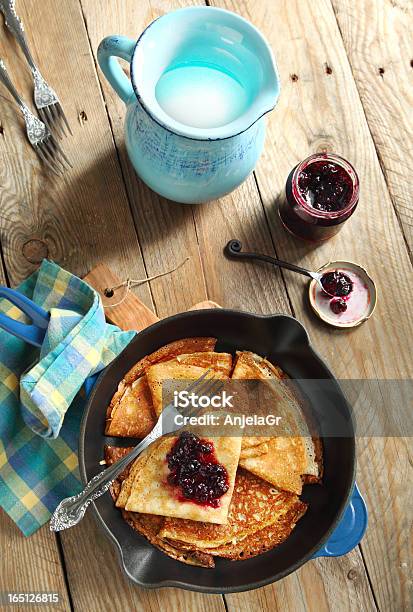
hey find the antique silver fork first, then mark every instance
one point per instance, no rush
(38, 134)
(45, 98)
(71, 510)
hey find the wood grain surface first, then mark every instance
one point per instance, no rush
(30, 565)
(334, 97)
(377, 35)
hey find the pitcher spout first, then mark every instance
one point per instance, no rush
(269, 85)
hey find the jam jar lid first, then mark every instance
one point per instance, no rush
(338, 160)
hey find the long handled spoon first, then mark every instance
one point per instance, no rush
(234, 250)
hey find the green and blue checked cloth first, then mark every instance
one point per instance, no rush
(41, 409)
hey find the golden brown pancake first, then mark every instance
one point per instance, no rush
(169, 351)
(288, 457)
(134, 416)
(146, 489)
(283, 464)
(185, 367)
(218, 362)
(249, 366)
(130, 412)
(255, 504)
(149, 525)
(265, 539)
(134, 469)
(112, 454)
(250, 530)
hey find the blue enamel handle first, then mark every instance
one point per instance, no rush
(109, 49)
(350, 529)
(32, 333)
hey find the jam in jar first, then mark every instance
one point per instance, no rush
(321, 193)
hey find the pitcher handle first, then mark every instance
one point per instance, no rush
(109, 49)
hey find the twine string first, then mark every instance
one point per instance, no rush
(130, 282)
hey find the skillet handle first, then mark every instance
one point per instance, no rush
(31, 333)
(350, 529)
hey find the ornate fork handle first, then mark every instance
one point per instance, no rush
(72, 509)
(35, 128)
(44, 94)
(15, 25)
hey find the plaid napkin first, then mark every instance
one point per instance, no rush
(41, 405)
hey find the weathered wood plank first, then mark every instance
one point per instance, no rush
(246, 286)
(320, 109)
(377, 35)
(30, 565)
(323, 111)
(316, 587)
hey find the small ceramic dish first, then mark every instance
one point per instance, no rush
(360, 303)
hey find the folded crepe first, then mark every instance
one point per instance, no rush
(149, 525)
(184, 367)
(146, 490)
(130, 412)
(289, 459)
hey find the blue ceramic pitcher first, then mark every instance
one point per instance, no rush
(202, 80)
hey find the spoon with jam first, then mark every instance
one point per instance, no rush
(333, 283)
(343, 298)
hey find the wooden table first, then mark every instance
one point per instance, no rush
(347, 71)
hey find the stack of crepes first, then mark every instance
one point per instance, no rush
(265, 474)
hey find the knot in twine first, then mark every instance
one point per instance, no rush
(131, 282)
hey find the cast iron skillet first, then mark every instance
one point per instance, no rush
(284, 341)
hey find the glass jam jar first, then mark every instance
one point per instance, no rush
(320, 194)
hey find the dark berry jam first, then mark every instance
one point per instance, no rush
(195, 471)
(325, 186)
(320, 194)
(336, 283)
(338, 306)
